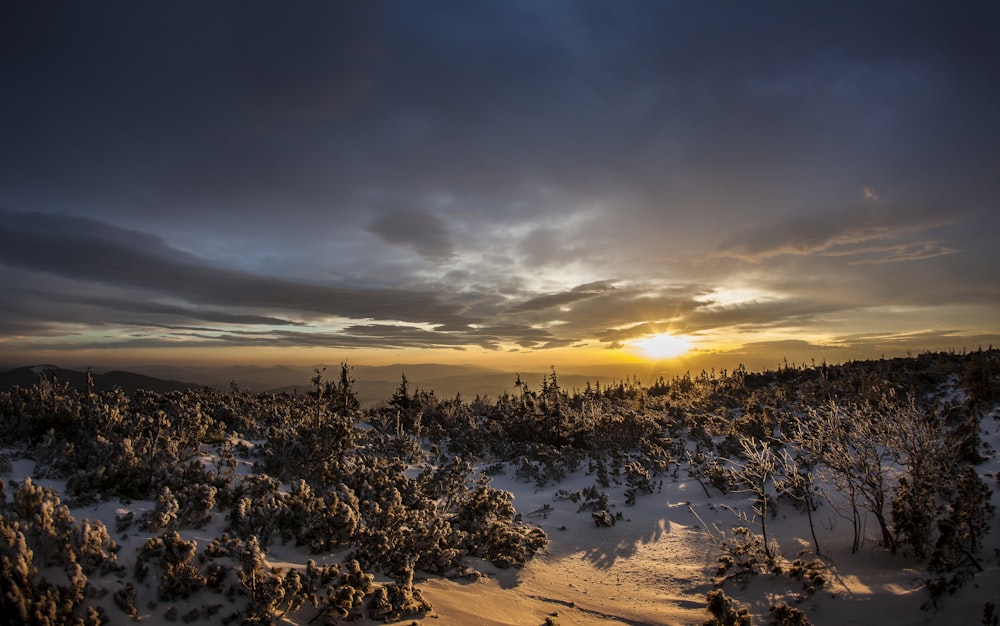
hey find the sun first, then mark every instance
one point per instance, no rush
(663, 346)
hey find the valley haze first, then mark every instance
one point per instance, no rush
(376, 383)
(373, 383)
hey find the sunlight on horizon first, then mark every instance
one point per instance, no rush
(663, 346)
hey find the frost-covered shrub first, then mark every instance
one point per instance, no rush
(603, 519)
(125, 599)
(55, 457)
(447, 483)
(271, 594)
(94, 549)
(345, 599)
(591, 499)
(913, 515)
(811, 574)
(255, 486)
(172, 555)
(55, 536)
(224, 546)
(724, 611)
(195, 504)
(124, 521)
(488, 519)
(164, 513)
(743, 556)
(258, 518)
(966, 521)
(216, 576)
(121, 466)
(26, 597)
(528, 470)
(555, 462)
(151, 550)
(179, 580)
(660, 453)
(601, 471)
(321, 522)
(505, 544)
(638, 479)
(707, 467)
(316, 578)
(784, 615)
(48, 522)
(310, 449)
(396, 601)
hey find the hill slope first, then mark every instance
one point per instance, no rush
(128, 382)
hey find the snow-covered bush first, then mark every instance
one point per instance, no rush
(271, 594)
(784, 615)
(37, 531)
(743, 557)
(320, 522)
(346, 598)
(164, 514)
(171, 555)
(258, 517)
(724, 611)
(394, 602)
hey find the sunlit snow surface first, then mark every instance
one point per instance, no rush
(654, 566)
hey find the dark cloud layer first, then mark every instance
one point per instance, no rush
(508, 176)
(889, 236)
(425, 233)
(86, 250)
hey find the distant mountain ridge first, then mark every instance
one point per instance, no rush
(129, 382)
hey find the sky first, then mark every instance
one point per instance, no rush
(508, 183)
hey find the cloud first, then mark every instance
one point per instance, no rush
(116, 273)
(892, 342)
(89, 250)
(917, 251)
(615, 338)
(423, 231)
(550, 246)
(756, 316)
(152, 308)
(629, 304)
(492, 174)
(332, 58)
(523, 335)
(838, 233)
(580, 292)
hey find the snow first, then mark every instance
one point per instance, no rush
(654, 566)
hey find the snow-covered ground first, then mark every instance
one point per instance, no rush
(653, 566)
(625, 546)
(656, 565)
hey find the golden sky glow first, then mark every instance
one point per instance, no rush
(663, 346)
